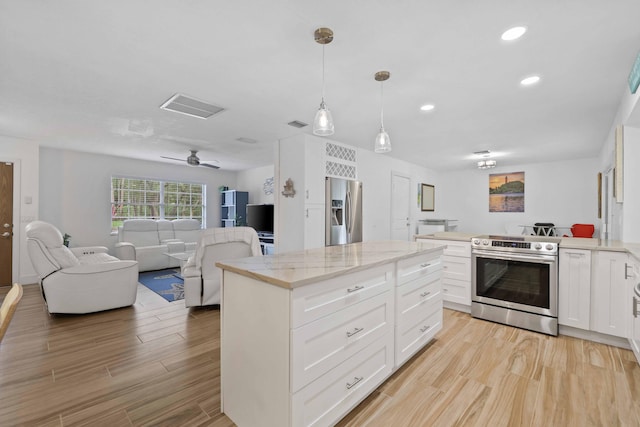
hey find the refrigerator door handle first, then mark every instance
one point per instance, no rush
(347, 211)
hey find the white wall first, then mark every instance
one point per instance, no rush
(563, 193)
(75, 190)
(375, 170)
(252, 180)
(24, 155)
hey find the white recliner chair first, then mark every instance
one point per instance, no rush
(201, 276)
(79, 280)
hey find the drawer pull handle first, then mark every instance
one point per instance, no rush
(425, 265)
(424, 294)
(356, 380)
(355, 331)
(355, 288)
(424, 329)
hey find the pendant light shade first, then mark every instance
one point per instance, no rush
(323, 122)
(383, 142)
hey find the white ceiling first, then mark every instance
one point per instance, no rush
(90, 75)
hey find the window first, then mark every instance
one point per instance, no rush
(148, 198)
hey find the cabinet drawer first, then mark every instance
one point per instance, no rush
(456, 291)
(320, 299)
(412, 268)
(418, 293)
(454, 248)
(412, 335)
(330, 397)
(327, 342)
(458, 268)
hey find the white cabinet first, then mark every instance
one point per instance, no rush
(300, 219)
(314, 172)
(634, 296)
(307, 356)
(574, 288)
(418, 305)
(456, 273)
(609, 294)
(314, 226)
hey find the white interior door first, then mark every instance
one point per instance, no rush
(400, 204)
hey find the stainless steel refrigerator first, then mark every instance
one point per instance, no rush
(343, 222)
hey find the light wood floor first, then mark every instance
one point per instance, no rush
(157, 364)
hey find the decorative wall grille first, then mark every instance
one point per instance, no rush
(340, 161)
(340, 152)
(340, 170)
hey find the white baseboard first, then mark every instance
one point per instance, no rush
(456, 306)
(594, 336)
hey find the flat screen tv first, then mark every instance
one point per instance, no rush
(260, 217)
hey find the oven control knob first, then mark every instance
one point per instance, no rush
(538, 246)
(476, 241)
(485, 242)
(549, 247)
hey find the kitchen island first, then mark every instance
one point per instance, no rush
(306, 336)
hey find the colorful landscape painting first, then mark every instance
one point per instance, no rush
(506, 192)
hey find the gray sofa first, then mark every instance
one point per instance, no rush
(148, 241)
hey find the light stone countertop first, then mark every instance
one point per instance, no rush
(448, 235)
(293, 269)
(600, 245)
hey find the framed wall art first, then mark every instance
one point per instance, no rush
(427, 197)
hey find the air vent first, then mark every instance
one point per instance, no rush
(483, 153)
(298, 124)
(191, 107)
(246, 140)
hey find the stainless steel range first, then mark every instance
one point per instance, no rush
(515, 281)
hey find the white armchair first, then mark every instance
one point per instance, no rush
(79, 280)
(201, 276)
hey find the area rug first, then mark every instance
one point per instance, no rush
(166, 283)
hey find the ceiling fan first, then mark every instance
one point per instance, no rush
(193, 160)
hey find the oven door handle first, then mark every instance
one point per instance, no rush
(541, 259)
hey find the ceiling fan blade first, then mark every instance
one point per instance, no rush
(209, 166)
(173, 158)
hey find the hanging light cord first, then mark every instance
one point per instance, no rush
(381, 106)
(323, 74)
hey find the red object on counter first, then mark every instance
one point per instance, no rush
(582, 230)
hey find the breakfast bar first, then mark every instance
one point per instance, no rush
(306, 336)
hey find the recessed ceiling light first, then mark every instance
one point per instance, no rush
(513, 33)
(531, 80)
(427, 107)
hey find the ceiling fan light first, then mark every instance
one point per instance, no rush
(383, 142)
(323, 123)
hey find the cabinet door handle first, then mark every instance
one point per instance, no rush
(355, 331)
(355, 288)
(626, 271)
(424, 329)
(307, 194)
(424, 294)
(356, 380)
(635, 307)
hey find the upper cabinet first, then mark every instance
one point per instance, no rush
(631, 187)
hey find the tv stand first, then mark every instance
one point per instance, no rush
(266, 242)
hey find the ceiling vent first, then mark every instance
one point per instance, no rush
(246, 140)
(190, 106)
(298, 124)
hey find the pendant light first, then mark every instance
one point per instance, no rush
(323, 123)
(383, 142)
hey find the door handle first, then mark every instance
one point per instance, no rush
(6, 234)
